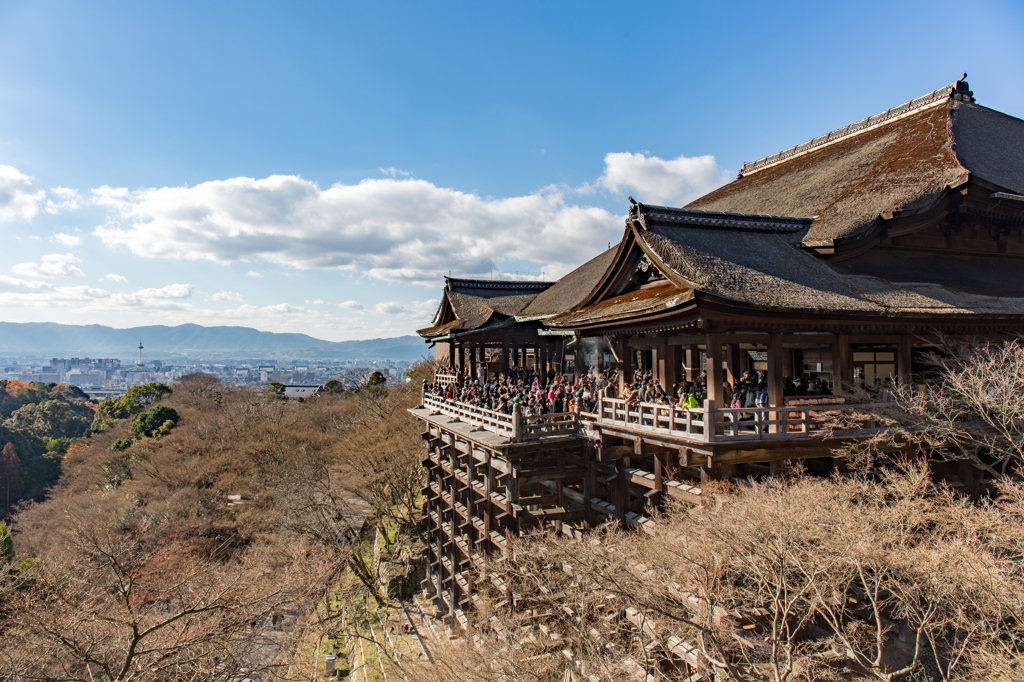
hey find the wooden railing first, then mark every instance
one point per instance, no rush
(551, 424)
(444, 378)
(662, 419)
(496, 422)
(706, 425)
(514, 426)
(732, 423)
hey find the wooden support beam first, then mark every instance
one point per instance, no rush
(621, 490)
(551, 475)
(659, 474)
(713, 352)
(692, 362)
(610, 453)
(472, 359)
(732, 362)
(589, 487)
(842, 365)
(775, 351)
(903, 358)
(673, 367)
(661, 363)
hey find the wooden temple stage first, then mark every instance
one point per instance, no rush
(844, 260)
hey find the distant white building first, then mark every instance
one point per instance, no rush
(302, 390)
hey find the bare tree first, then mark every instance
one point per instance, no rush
(796, 580)
(971, 408)
(112, 608)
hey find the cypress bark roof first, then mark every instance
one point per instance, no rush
(904, 162)
(570, 290)
(472, 303)
(760, 266)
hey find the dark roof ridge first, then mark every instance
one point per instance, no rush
(960, 91)
(497, 283)
(647, 214)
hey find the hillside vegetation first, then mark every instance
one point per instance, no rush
(190, 549)
(37, 424)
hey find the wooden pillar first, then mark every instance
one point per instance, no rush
(621, 490)
(472, 359)
(732, 362)
(842, 368)
(775, 394)
(673, 365)
(903, 357)
(775, 353)
(589, 488)
(488, 504)
(710, 472)
(505, 351)
(659, 476)
(713, 345)
(626, 353)
(660, 362)
(692, 362)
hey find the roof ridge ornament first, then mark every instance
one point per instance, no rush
(959, 91)
(636, 210)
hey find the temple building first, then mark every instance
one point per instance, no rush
(840, 259)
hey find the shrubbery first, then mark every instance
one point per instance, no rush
(157, 420)
(135, 400)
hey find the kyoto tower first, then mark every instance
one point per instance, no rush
(140, 353)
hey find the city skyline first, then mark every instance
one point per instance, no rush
(320, 169)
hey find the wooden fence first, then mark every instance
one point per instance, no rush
(705, 425)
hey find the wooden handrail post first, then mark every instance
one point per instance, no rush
(517, 420)
(709, 420)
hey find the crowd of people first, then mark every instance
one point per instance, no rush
(539, 394)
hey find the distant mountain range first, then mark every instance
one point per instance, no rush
(45, 338)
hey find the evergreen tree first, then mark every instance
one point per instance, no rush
(6, 544)
(10, 474)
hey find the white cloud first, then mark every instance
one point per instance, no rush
(672, 182)
(169, 291)
(227, 296)
(394, 172)
(116, 278)
(316, 301)
(67, 239)
(394, 230)
(351, 305)
(19, 199)
(68, 200)
(169, 305)
(413, 310)
(253, 273)
(53, 265)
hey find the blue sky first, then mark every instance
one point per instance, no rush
(318, 167)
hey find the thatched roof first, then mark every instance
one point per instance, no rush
(570, 290)
(740, 259)
(901, 162)
(473, 303)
